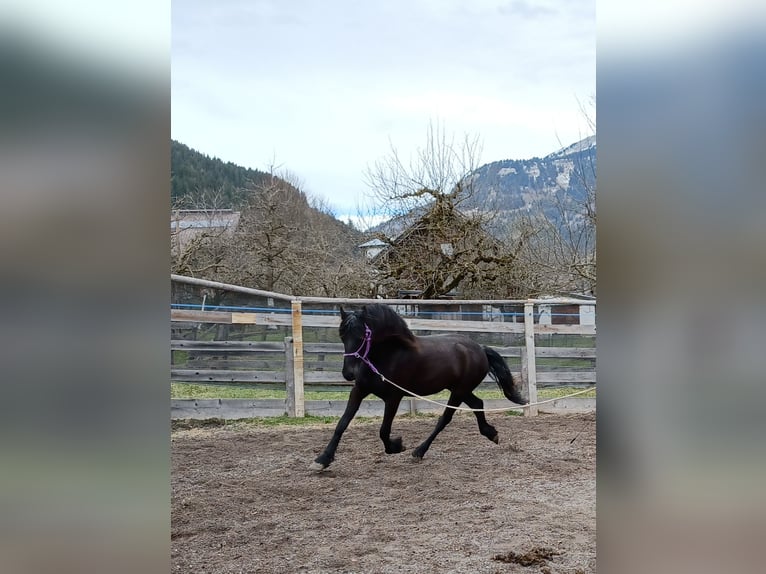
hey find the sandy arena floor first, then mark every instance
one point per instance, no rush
(244, 499)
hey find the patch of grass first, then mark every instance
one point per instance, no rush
(196, 391)
(554, 393)
(186, 424)
(284, 420)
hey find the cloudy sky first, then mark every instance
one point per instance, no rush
(324, 88)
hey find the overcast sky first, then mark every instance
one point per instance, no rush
(323, 88)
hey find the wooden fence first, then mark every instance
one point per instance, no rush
(294, 364)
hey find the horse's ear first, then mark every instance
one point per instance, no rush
(342, 314)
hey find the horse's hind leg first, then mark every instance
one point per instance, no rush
(484, 427)
(444, 420)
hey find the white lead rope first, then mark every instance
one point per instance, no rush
(364, 350)
(500, 409)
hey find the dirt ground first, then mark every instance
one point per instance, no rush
(244, 499)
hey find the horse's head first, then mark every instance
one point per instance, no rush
(356, 331)
(352, 333)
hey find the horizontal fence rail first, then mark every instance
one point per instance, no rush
(293, 364)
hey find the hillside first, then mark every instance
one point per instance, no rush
(194, 175)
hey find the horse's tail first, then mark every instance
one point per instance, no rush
(502, 374)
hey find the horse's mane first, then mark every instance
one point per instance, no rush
(385, 323)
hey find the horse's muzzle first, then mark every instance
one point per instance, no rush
(349, 370)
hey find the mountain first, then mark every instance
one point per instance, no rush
(504, 187)
(507, 187)
(510, 186)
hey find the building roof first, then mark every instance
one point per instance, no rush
(203, 218)
(373, 243)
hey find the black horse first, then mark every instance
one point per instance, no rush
(379, 344)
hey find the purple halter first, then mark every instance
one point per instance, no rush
(362, 355)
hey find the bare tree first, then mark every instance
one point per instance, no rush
(333, 265)
(560, 253)
(199, 234)
(289, 242)
(270, 225)
(438, 247)
(437, 170)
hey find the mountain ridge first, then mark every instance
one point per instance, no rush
(510, 186)
(504, 187)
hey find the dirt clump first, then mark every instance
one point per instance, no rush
(536, 556)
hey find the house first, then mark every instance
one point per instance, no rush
(567, 313)
(372, 247)
(189, 224)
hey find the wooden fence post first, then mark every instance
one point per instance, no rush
(528, 364)
(289, 378)
(300, 407)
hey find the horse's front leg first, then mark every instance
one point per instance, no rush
(328, 455)
(392, 445)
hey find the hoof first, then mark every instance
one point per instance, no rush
(495, 439)
(317, 467)
(396, 446)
